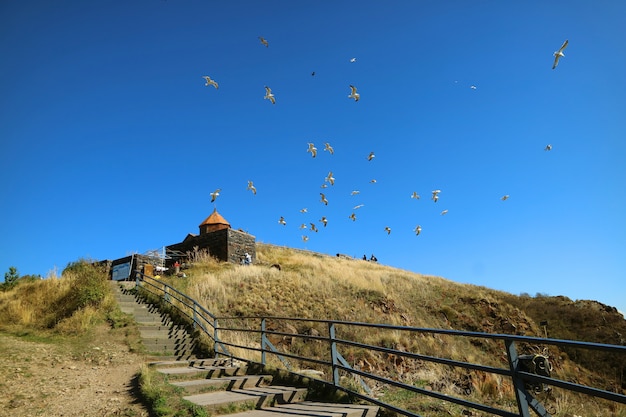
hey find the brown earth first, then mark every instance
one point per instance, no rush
(96, 378)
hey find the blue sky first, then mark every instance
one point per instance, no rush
(111, 143)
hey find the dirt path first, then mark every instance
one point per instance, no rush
(51, 379)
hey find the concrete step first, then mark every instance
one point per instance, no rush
(197, 363)
(202, 372)
(313, 409)
(194, 386)
(247, 398)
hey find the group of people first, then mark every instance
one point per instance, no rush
(372, 258)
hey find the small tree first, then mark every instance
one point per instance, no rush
(10, 278)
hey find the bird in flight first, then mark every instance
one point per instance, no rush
(417, 230)
(558, 54)
(352, 217)
(329, 148)
(355, 192)
(435, 196)
(548, 147)
(312, 149)
(324, 220)
(282, 221)
(373, 181)
(263, 41)
(352, 60)
(209, 82)
(388, 229)
(215, 194)
(504, 197)
(269, 96)
(443, 213)
(415, 195)
(371, 156)
(251, 187)
(313, 227)
(305, 238)
(356, 96)
(330, 178)
(323, 186)
(323, 199)
(303, 226)
(304, 210)
(357, 206)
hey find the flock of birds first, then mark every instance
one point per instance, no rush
(330, 179)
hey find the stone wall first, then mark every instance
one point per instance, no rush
(226, 245)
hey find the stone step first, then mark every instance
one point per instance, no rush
(255, 397)
(312, 409)
(204, 362)
(204, 372)
(223, 384)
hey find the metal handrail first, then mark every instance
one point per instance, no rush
(209, 324)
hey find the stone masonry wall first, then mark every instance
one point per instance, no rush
(226, 245)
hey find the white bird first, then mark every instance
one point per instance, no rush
(312, 149)
(352, 217)
(305, 238)
(329, 148)
(352, 59)
(323, 199)
(215, 194)
(282, 221)
(303, 226)
(504, 197)
(435, 196)
(330, 178)
(417, 230)
(324, 220)
(388, 229)
(371, 156)
(443, 213)
(263, 41)
(373, 181)
(357, 206)
(251, 187)
(548, 147)
(313, 227)
(473, 87)
(355, 192)
(269, 96)
(415, 195)
(558, 54)
(304, 210)
(209, 82)
(356, 96)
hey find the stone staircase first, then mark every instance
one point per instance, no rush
(159, 335)
(222, 386)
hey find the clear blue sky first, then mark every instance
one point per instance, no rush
(111, 143)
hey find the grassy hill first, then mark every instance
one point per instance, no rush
(312, 285)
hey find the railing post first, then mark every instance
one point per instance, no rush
(334, 359)
(263, 340)
(137, 279)
(166, 294)
(195, 314)
(215, 338)
(518, 383)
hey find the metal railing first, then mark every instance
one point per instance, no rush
(249, 339)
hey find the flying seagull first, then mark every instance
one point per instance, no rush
(312, 149)
(251, 187)
(304, 210)
(443, 213)
(435, 196)
(324, 186)
(558, 54)
(303, 226)
(358, 206)
(263, 41)
(417, 230)
(355, 192)
(504, 197)
(282, 221)
(356, 96)
(269, 96)
(324, 220)
(548, 147)
(388, 229)
(313, 227)
(329, 148)
(215, 194)
(371, 156)
(373, 181)
(305, 238)
(330, 178)
(353, 60)
(209, 82)
(352, 217)
(323, 199)
(415, 195)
